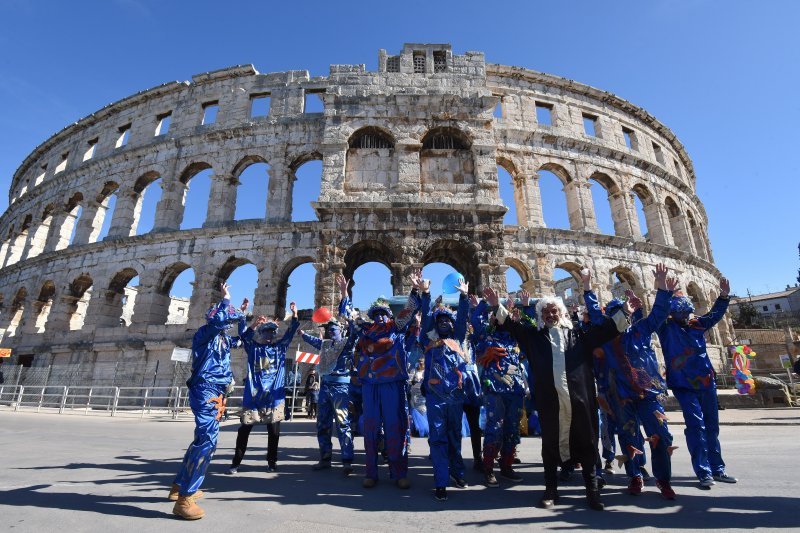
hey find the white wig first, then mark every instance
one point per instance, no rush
(564, 320)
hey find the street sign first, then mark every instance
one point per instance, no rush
(742, 342)
(182, 355)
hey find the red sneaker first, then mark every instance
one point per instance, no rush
(635, 486)
(666, 490)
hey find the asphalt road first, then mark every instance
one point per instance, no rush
(87, 473)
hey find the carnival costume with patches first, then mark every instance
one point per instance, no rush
(446, 358)
(503, 387)
(211, 376)
(631, 388)
(336, 361)
(264, 387)
(692, 379)
(381, 365)
(561, 363)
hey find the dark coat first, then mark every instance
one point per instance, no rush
(578, 348)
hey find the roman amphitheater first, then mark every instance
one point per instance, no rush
(410, 156)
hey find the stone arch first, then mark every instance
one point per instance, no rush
(20, 243)
(558, 170)
(42, 306)
(38, 238)
(677, 224)
(460, 255)
(244, 187)
(189, 195)
(568, 289)
(653, 230)
(697, 236)
(572, 213)
(117, 299)
(524, 272)
(446, 159)
(309, 189)
(283, 280)
(616, 203)
(621, 278)
(698, 298)
(370, 159)
(79, 292)
(106, 201)
(143, 185)
(368, 251)
(158, 306)
(15, 312)
(519, 207)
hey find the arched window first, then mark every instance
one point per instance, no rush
(370, 160)
(251, 194)
(299, 288)
(44, 302)
(602, 187)
(445, 159)
(180, 294)
(508, 195)
(554, 204)
(81, 290)
(370, 280)
(197, 196)
(566, 284)
(150, 195)
(107, 200)
(306, 188)
(242, 276)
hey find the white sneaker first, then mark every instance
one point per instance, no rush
(725, 478)
(232, 470)
(707, 482)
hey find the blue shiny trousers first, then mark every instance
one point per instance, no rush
(206, 402)
(649, 414)
(444, 422)
(501, 435)
(385, 404)
(332, 412)
(701, 413)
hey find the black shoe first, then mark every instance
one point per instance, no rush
(549, 499)
(323, 464)
(517, 461)
(510, 475)
(458, 482)
(347, 469)
(490, 480)
(272, 467)
(440, 494)
(593, 498)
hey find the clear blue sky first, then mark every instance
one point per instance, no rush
(723, 76)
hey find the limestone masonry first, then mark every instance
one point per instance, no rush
(409, 156)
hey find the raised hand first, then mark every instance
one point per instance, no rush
(586, 278)
(635, 301)
(473, 301)
(630, 305)
(524, 298)
(510, 297)
(245, 303)
(342, 283)
(515, 314)
(462, 286)
(724, 287)
(438, 301)
(226, 293)
(260, 320)
(491, 297)
(660, 274)
(672, 283)
(293, 309)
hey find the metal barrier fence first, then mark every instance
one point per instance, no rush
(110, 401)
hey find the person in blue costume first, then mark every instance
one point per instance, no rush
(473, 400)
(381, 364)
(265, 385)
(498, 357)
(211, 377)
(632, 386)
(336, 361)
(443, 338)
(692, 380)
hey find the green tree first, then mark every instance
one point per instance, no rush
(748, 315)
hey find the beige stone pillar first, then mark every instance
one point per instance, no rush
(88, 226)
(222, 200)
(580, 207)
(408, 170)
(279, 193)
(126, 214)
(531, 200)
(170, 208)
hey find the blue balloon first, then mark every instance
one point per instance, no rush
(449, 283)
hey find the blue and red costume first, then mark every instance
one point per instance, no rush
(211, 375)
(381, 367)
(498, 356)
(632, 387)
(446, 358)
(691, 378)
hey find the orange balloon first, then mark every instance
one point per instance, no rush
(321, 315)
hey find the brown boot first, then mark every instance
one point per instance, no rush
(187, 508)
(174, 492)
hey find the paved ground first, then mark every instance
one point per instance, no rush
(87, 473)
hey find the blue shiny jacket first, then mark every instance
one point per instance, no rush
(445, 359)
(266, 363)
(211, 348)
(380, 355)
(497, 355)
(688, 364)
(627, 366)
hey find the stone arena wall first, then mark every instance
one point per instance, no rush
(409, 176)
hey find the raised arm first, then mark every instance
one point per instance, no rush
(406, 316)
(590, 298)
(316, 342)
(665, 285)
(710, 319)
(515, 328)
(286, 340)
(427, 315)
(460, 331)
